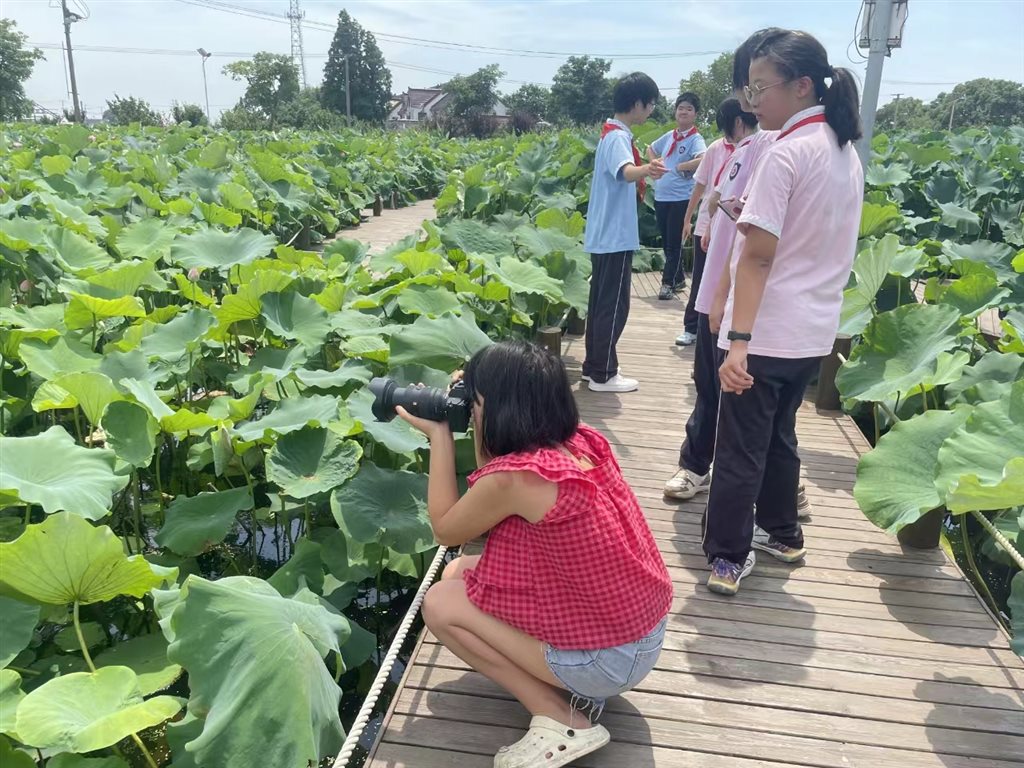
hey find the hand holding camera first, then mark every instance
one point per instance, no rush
(429, 409)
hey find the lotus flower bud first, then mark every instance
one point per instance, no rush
(25, 286)
(193, 274)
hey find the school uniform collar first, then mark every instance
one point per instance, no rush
(817, 109)
(619, 123)
(746, 140)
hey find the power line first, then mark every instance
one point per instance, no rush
(443, 44)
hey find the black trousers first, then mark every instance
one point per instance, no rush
(690, 315)
(670, 216)
(607, 310)
(756, 459)
(698, 449)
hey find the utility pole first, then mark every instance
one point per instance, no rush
(881, 37)
(896, 111)
(348, 95)
(69, 18)
(952, 110)
(205, 54)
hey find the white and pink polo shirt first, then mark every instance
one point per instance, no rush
(808, 192)
(730, 182)
(715, 157)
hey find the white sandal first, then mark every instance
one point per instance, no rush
(549, 744)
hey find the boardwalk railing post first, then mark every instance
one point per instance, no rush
(827, 398)
(575, 325)
(550, 337)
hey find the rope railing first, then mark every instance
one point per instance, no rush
(359, 725)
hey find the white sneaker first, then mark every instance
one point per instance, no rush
(684, 484)
(685, 339)
(584, 377)
(616, 383)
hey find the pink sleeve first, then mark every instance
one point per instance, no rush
(768, 194)
(704, 171)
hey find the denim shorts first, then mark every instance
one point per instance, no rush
(597, 675)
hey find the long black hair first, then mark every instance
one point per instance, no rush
(797, 54)
(728, 111)
(528, 403)
(741, 59)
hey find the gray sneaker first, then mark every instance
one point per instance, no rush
(803, 505)
(666, 293)
(765, 542)
(685, 484)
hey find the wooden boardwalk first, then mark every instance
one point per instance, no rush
(864, 656)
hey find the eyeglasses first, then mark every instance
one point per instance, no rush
(754, 94)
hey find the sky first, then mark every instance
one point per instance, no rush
(944, 41)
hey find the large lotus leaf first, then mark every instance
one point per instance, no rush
(146, 656)
(256, 673)
(21, 234)
(292, 316)
(983, 446)
(385, 506)
(65, 559)
(211, 248)
(17, 621)
(350, 371)
(195, 523)
(974, 293)
(184, 421)
(291, 414)
(305, 568)
(147, 396)
(876, 220)
(82, 711)
(997, 256)
(396, 435)
(963, 220)
(988, 379)
(1016, 606)
(90, 390)
(426, 300)
(148, 239)
(472, 236)
(131, 432)
(51, 470)
(76, 253)
(48, 360)
(85, 311)
(899, 351)
(13, 758)
(444, 343)
(71, 760)
(174, 340)
(269, 364)
(889, 175)
(312, 461)
(125, 279)
(968, 493)
(871, 267)
(529, 278)
(11, 696)
(896, 480)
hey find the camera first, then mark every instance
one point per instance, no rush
(430, 403)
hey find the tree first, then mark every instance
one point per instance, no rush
(978, 104)
(130, 110)
(903, 114)
(272, 82)
(369, 77)
(580, 90)
(530, 99)
(472, 100)
(16, 64)
(192, 114)
(713, 85)
(307, 112)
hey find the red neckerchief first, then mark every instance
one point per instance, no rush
(677, 137)
(641, 185)
(818, 118)
(729, 149)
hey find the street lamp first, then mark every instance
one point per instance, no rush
(205, 54)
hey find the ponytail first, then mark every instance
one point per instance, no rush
(798, 54)
(842, 106)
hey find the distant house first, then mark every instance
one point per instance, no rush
(418, 105)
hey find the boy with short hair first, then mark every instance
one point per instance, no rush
(612, 233)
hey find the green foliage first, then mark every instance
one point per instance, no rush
(369, 78)
(16, 65)
(272, 82)
(473, 98)
(531, 99)
(192, 114)
(130, 110)
(712, 84)
(581, 91)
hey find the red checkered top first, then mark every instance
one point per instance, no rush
(588, 575)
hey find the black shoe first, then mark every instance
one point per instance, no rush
(666, 293)
(678, 287)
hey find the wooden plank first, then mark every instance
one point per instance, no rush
(868, 654)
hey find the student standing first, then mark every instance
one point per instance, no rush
(612, 232)
(794, 249)
(704, 178)
(698, 449)
(681, 150)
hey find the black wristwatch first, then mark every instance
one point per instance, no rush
(737, 336)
